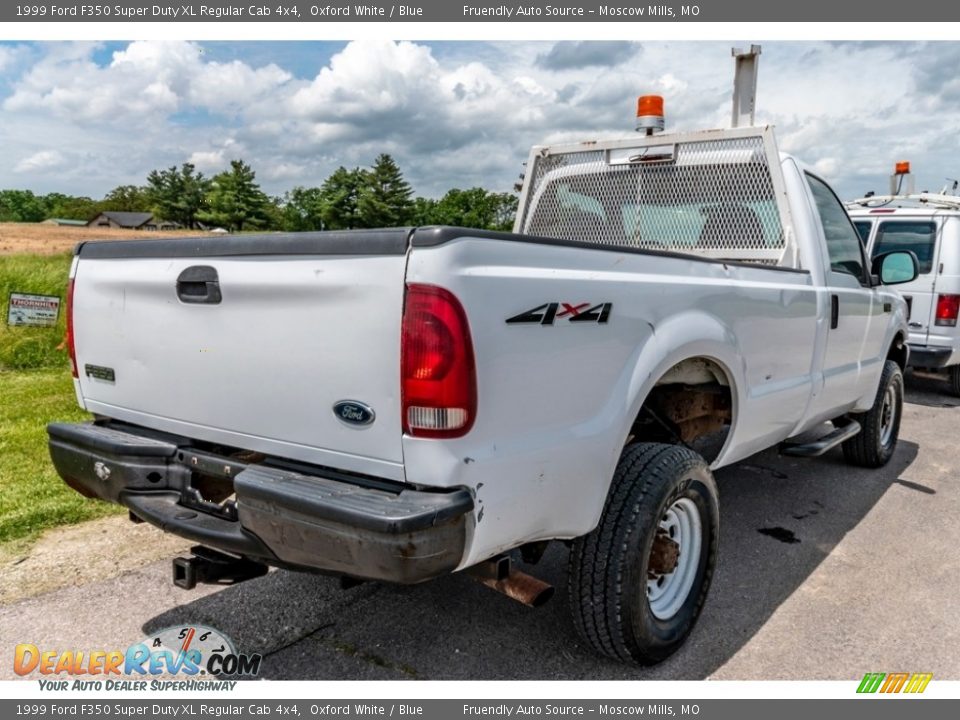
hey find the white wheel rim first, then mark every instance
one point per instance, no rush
(667, 593)
(888, 414)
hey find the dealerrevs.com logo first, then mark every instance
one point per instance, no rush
(183, 651)
(889, 683)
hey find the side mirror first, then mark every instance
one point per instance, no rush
(896, 267)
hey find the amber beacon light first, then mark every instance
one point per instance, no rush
(650, 114)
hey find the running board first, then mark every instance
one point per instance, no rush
(819, 447)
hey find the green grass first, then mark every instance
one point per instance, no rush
(32, 495)
(35, 389)
(23, 348)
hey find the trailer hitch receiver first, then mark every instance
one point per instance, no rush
(213, 567)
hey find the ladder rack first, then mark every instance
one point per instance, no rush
(946, 202)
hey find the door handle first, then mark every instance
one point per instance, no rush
(199, 284)
(834, 311)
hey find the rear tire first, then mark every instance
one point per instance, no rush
(955, 379)
(880, 425)
(639, 580)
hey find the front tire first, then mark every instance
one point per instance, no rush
(880, 425)
(639, 580)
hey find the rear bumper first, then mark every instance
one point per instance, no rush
(929, 356)
(312, 519)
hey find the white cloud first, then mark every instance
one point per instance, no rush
(462, 116)
(284, 171)
(826, 167)
(7, 57)
(208, 160)
(144, 83)
(232, 86)
(381, 96)
(39, 161)
(71, 86)
(577, 55)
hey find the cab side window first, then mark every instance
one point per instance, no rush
(863, 230)
(843, 242)
(919, 237)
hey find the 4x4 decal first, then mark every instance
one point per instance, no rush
(574, 312)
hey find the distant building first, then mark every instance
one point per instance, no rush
(122, 220)
(129, 221)
(64, 222)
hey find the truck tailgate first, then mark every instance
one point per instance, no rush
(303, 323)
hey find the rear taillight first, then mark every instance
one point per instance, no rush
(438, 373)
(71, 345)
(948, 307)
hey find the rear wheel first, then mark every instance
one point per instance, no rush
(955, 379)
(880, 425)
(639, 580)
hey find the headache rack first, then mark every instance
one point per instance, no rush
(717, 194)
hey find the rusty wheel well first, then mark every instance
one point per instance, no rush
(691, 405)
(898, 352)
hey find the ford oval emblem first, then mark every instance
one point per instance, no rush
(353, 412)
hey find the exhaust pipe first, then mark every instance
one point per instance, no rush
(521, 587)
(498, 574)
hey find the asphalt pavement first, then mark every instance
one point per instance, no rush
(825, 572)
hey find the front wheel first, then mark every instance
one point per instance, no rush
(639, 580)
(873, 446)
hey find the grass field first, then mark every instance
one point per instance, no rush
(35, 383)
(28, 348)
(39, 239)
(32, 496)
(35, 389)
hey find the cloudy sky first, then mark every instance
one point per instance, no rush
(82, 118)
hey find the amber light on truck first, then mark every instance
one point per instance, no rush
(439, 379)
(71, 346)
(948, 306)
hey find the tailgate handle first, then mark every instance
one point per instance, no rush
(199, 284)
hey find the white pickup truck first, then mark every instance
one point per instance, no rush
(399, 404)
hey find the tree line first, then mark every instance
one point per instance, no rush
(377, 196)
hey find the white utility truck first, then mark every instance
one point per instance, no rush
(928, 225)
(399, 404)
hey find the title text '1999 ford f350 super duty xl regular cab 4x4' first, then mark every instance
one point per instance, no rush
(400, 404)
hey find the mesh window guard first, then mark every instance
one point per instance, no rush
(711, 194)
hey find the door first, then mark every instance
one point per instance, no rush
(849, 361)
(920, 237)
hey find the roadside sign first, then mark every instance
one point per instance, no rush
(33, 310)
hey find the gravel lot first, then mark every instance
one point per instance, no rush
(856, 571)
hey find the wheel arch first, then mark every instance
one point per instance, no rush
(690, 397)
(688, 338)
(898, 351)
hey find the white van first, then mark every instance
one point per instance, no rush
(928, 225)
